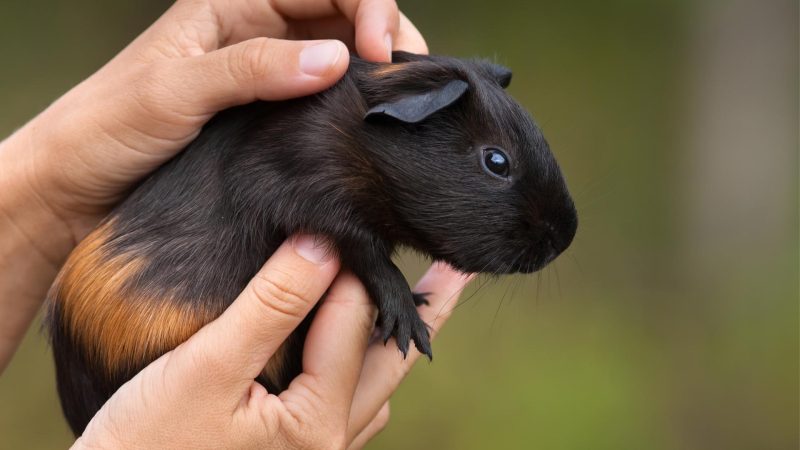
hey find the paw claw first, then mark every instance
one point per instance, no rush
(386, 334)
(422, 341)
(387, 327)
(406, 326)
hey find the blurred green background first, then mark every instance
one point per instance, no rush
(671, 323)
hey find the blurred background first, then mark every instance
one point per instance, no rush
(672, 321)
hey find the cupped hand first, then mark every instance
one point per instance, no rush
(85, 151)
(202, 394)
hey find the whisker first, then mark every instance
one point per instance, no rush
(459, 291)
(577, 263)
(499, 305)
(558, 282)
(538, 287)
(455, 294)
(514, 282)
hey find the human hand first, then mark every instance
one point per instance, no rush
(84, 152)
(202, 394)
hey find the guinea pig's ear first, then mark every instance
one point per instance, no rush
(501, 74)
(418, 107)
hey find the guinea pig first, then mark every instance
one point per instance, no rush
(427, 152)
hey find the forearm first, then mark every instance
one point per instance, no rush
(33, 243)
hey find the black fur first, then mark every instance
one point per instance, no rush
(207, 220)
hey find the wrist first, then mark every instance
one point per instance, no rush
(25, 214)
(33, 244)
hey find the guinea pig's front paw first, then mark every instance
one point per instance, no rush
(401, 321)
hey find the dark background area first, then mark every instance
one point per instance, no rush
(672, 321)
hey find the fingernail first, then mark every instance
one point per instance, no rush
(315, 249)
(318, 59)
(388, 41)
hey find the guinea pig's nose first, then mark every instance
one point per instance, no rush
(561, 232)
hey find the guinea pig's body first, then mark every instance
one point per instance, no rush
(427, 152)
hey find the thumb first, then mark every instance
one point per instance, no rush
(257, 69)
(236, 346)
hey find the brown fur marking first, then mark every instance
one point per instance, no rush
(388, 69)
(119, 331)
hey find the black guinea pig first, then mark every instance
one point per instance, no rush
(427, 152)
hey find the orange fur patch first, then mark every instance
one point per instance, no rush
(119, 330)
(388, 69)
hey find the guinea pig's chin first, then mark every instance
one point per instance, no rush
(520, 258)
(528, 262)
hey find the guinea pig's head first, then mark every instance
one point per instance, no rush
(470, 177)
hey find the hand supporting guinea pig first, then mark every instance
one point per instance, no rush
(204, 389)
(67, 167)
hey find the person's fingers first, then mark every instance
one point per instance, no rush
(242, 20)
(333, 27)
(339, 27)
(334, 348)
(377, 425)
(236, 346)
(409, 38)
(383, 368)
(196, 27)
(258, 69)
(165, 103)
(175, 97)
(376, 21)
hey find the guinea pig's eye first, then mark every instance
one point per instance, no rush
(496, 162)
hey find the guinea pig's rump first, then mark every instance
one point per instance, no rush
(106, 325)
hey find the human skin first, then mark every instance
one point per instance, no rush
(66, 168)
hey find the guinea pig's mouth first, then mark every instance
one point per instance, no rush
(538, 256)
(553, 242)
